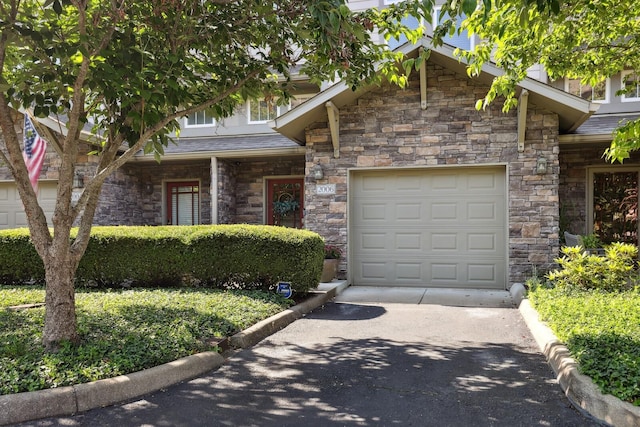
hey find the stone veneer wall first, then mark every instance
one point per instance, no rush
(387, 128)
(227, 177)
(574, 161)
(250, 186)
(124, 199)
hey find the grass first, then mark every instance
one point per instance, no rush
(121, 332)
(602, 332)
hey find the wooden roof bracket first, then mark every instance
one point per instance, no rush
(523, 101)
(334, 126)
(423, 82)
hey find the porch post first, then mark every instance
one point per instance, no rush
(213, 190)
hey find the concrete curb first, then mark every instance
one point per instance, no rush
(20, 407)
(580, 390)
(64, 401)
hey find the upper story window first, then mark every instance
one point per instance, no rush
(201, 118)
(411, 23)
(597, 93)
(631, 86)
(261, 111)
(462, 40)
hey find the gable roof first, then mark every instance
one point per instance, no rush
(572, 110)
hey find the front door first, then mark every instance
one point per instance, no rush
(183, 203)
(285, 202)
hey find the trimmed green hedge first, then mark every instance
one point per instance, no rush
(220, 256)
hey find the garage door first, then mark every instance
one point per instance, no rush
(441, 227)
(11, 211)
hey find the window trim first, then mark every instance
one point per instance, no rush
(624, 97)
(166, 195)
(204, 125)
(591, 170)
(257, 122)
(607, 91)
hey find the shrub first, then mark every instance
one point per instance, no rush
(223, 256)
(19, 261)
(582, 271)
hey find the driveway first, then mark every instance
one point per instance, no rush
(368, 364)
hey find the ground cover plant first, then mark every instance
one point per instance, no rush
(122, 331)
(592, 304)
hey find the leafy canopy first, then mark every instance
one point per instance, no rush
(139, 65)
(585, 39)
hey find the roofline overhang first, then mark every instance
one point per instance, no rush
(225, 154)
(572, 110)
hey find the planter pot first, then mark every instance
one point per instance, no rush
(329, 270)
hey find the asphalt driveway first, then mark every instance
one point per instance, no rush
(353, 364)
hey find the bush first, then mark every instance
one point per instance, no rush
(602, 332)
(19, 261)
(223, 256)
(582, 271)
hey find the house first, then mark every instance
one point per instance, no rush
(417, 186)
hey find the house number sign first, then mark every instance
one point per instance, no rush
(325, 189)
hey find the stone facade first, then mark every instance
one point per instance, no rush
(387, 128)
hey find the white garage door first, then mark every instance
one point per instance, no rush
(11, 210)
(441, 227)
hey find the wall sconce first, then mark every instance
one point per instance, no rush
(317, 172)
(541, 166)
(148, 187)
(78, 181)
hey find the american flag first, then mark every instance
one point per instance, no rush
(34, 150)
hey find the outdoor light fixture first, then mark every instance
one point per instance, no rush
(541, 166)
(317, 172)
(148, 187)
(78, 181)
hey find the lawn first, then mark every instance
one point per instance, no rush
(602, 332)
(122, 331)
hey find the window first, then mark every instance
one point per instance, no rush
(597, 93)
(261, 111)
(201, 118)
(412, 23)
(462, 40)
(183, 203)
(631, 86)
(613, 204)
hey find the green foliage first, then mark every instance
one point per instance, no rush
(224, 256)
(19, 261)
(602, 332)
(121, 332)
(584, 39)
(591, 241)
(583, 271)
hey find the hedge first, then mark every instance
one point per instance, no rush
(220, 256)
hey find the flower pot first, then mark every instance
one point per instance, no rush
(329, 270)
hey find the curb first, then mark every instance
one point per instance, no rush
(64, 401)
(579, 388)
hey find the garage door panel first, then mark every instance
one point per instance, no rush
(429, 228)
(11, 209)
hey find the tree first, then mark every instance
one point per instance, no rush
(132, 68)
(585, 39)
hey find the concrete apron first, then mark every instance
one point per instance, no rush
(438, 296)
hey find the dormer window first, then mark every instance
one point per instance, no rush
(597, 93)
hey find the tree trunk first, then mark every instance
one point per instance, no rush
(60, 304)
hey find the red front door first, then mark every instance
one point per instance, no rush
(285, 202)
